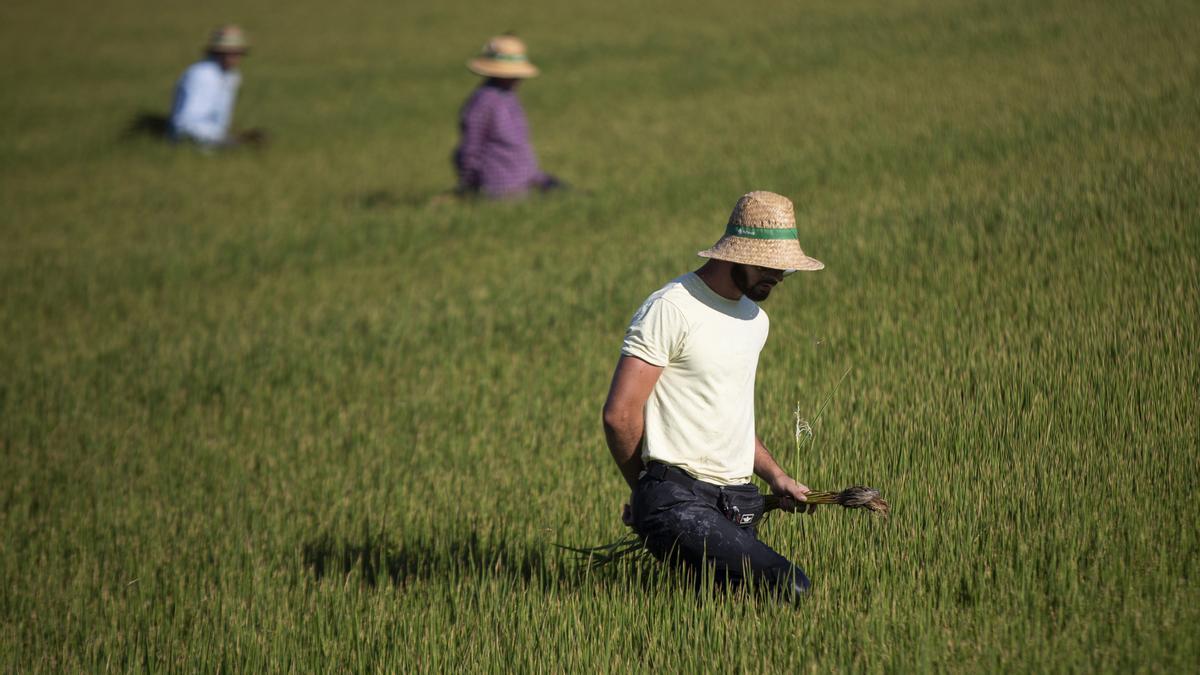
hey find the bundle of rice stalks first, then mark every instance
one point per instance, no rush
(600, 556)
(853, 497)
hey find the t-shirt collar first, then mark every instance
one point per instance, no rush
(711, 296)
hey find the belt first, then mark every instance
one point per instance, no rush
(727, 503)
(677, 475)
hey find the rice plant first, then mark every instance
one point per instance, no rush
(285, 411)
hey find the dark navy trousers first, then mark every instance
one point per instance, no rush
(701, 525)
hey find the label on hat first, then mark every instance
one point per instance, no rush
(761, 232)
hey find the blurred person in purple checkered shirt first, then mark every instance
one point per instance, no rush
(495, 157)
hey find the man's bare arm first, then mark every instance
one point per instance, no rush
(766, 468)
(624, 413)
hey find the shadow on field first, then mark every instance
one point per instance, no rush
(390, 199)
(146, 124)
(376, 558)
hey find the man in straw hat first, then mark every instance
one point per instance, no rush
(495, 157)
(202, 110)
(679, 419)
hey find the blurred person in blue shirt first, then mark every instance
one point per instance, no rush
(202, 110)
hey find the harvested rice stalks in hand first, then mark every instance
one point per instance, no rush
(853, 497)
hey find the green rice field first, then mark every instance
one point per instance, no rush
(287, 411)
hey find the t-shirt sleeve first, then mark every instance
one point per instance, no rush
(656, 333)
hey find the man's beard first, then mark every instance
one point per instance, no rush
(741, 279)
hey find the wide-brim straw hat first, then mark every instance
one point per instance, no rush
(503, 56)
(762, 232)
(228, 39)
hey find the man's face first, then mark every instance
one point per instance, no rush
(753, 281)
(229, 60)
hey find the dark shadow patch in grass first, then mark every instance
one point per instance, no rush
(146, 124)
(385, 199)
(378, 558)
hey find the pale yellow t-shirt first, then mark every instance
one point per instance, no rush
(700, 416)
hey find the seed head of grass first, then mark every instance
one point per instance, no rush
(803, 428)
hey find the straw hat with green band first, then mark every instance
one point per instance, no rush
(228, 39)
(762, 231)
(503, 56)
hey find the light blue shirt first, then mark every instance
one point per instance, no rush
(203, 105)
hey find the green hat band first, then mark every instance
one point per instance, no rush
(506, 57)
(761, 232)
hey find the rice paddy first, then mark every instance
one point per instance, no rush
(284, 411)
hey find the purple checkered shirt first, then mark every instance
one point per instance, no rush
(495, 155)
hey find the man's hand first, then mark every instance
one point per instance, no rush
(627, 516)
(794, 494)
